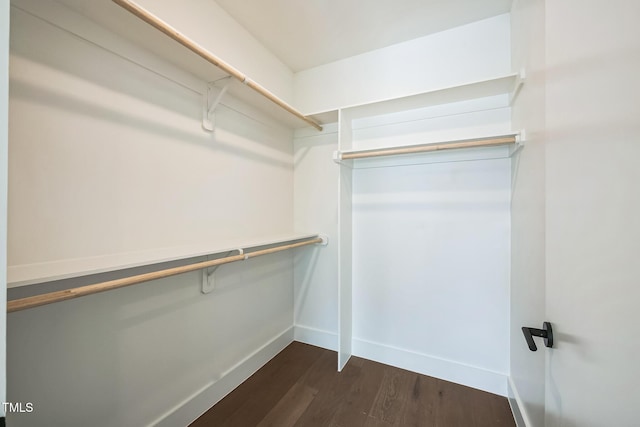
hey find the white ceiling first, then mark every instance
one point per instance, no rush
(308, 33)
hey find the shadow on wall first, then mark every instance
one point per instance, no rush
(127, 356)
(63, 53)
(309, 259)
(43, 96)
(40, 51)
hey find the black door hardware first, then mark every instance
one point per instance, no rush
(546, 332)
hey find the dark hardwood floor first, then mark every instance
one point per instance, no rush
(301, 387)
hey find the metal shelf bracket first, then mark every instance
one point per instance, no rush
(521, 138)
(210, 101)
(208, 277)
(522, 75)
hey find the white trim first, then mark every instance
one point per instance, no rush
(499, 85)
(317, 337)
(29, 274)
(449, 370)
(195, 405)
(518, 409)
(4, 174)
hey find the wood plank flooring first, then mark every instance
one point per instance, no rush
(300, 387)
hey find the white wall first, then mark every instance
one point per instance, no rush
(471, 52)
(527, 369)
(107, 157)
(593, 212)
(4, 143)
(431, 251)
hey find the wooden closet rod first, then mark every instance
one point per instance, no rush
(159, 24)
(424, 148)
(43, 299)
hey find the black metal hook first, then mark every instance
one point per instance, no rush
(546, 332)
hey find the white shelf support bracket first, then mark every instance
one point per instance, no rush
(325, 240)
(208, 277)
(521, 138)
(517, 86)
(337, 157)
(210, 101)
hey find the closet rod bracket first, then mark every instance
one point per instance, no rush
(325, 240)
(211, 99)
(517, 86)
(521, 138)
(337, 158)
(208, 277)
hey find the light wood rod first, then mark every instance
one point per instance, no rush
(167, 29)
(424, 148)
(49, 298)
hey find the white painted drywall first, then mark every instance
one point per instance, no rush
(431, 256)
(471, 52)
(104, 157)
(4, 144)
(527, 369)
(593, 212)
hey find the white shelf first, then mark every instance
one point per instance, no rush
(123, 29)
(30, 274)
(508, 84)
(502, 85)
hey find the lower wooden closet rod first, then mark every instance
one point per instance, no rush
(43, 299)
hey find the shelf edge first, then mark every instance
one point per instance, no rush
(38, 273)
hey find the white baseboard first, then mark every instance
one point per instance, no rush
(191, 408)
(471, 376)
(317, 337)
(517, 408)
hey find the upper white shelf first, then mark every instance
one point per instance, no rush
(30, 274)
(124, 29)
(508, 84)
(208, 56)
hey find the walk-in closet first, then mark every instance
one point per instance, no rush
(320, 213)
